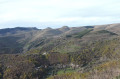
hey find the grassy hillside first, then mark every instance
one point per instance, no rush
(100, 60)
(63, 53)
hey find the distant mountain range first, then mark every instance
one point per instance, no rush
(22, 38)
(86, 52)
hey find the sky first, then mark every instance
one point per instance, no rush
(58, 13)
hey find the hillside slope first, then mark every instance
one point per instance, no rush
(88, 52)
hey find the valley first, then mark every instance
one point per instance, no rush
(85, 52)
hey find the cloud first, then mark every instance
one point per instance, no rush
(58, 12)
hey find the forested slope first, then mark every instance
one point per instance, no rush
(89, 52)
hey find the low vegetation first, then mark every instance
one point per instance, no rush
(67, 56)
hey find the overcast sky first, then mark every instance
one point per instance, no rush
(57, 13)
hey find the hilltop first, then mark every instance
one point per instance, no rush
(86, 52)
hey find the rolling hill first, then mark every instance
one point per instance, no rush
(86, 52)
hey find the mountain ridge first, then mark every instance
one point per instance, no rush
(26, 36)
(88, 52)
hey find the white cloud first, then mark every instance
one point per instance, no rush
(59, 11)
